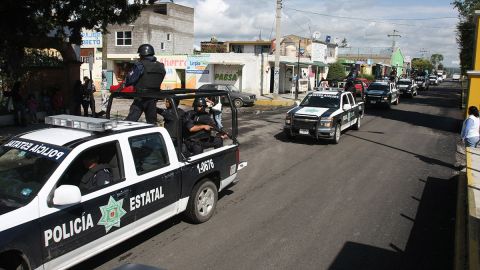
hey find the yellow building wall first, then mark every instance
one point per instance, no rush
(474, 92)
(477, 46)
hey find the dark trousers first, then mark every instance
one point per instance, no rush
(89, 103)
(197, 146)
(144, 105)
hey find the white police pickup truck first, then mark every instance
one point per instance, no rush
(49, 220)
(324, 114)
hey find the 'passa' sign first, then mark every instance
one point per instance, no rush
(52, 152)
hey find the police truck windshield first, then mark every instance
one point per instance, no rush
(321, 101)
(23, 173)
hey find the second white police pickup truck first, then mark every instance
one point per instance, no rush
(324, 114)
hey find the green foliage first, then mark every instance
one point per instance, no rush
(422, 64)
(466, 31)
(440, 66)
(336, 72)
(436, 59)
(55, 24)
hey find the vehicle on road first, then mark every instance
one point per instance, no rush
(324, 114)
(382, 93)
(407, 87)
(456, 77)
(55, 208)
(239, 99)
(433, 79)
(422, 82)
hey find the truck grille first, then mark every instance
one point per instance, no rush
(305, 122)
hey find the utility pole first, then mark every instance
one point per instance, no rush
(298, 70)
(276, 74)
(393, 36)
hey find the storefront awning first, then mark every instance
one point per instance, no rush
(227, 63)
(319, 64)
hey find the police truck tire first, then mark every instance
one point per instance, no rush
(238, 103)
(336, 135)
(202, 202)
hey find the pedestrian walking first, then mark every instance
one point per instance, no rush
(105, 96)
(19, 107)
(470, 130)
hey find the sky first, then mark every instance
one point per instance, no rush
(426, 26)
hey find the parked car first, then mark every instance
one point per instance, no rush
(324, 114)
(360, 87)
(456, 77)
(239, 99)
(433, 79)
(407, 87)
(382, 93)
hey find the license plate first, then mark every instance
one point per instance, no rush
(373, 101)
(304, 132)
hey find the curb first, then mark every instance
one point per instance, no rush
(274, 102)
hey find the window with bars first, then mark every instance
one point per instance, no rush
(123, 38)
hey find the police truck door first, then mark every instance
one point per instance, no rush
(102, 217)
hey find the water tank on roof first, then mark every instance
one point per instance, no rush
(291, 50)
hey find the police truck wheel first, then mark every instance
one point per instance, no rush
(238, 103)
(336, 135)
(202, 202)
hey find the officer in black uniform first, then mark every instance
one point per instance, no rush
(97, 175)
(147, 74)
(198, 125)
(170, 120)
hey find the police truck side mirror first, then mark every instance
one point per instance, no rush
(66, 195)
(347, 107)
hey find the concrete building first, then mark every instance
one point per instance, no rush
(168, 27)
(376, 61)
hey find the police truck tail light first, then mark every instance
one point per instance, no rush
(80, 122)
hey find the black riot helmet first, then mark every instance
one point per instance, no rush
(146, 50)
(199, 104)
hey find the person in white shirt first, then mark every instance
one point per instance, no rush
(470, 130)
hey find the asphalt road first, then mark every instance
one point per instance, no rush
(384, 198)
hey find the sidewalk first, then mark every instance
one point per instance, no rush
(285, 100)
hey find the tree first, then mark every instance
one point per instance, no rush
(344, 43)
(465, 31)
(336, 72)
(440, 66)
(55, 24)
(436, 59)
(421, 65)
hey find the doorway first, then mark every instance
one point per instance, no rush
(181, 75)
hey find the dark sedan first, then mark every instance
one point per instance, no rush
(239, 99)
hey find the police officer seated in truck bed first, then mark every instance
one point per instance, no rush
(198, 125)
(170, 120)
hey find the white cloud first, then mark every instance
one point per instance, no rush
(233, 19)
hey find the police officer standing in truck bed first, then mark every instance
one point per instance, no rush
(147, 74)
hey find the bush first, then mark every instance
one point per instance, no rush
(336, 72)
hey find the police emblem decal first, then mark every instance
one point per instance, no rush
(111, 214)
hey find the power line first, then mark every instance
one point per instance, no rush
(362, 19)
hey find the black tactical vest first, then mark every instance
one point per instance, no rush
(152, 77)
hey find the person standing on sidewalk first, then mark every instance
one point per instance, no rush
(470, 130)
(88, 99)
(105, 95)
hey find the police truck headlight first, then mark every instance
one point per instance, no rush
(326, 122)
(288, 119)
(385, 98)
